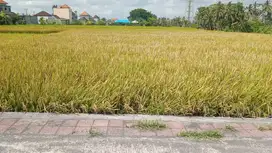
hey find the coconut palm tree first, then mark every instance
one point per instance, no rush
(267, 12)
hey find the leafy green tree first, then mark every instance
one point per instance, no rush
(101, 22)
(104, 19)
(15, 19)
(4, 19)
(42, 21)
(267, 12)
(231, 16)
(141, 15)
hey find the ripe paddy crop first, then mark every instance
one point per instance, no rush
(125, 70)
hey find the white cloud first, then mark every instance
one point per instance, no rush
(114, 8)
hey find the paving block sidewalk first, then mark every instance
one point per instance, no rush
(120, 126)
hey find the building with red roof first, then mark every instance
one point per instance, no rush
(85, 15)
(4, 7)
(64, 12)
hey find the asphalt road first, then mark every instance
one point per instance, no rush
(84, 144)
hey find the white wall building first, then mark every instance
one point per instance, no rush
(64, 12)
(43, 15)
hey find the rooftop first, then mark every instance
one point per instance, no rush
(84, 14)
(95, 16)
(122, 21)
(3, 2)
(64, 6)
(42, 13)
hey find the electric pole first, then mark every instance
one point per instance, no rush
(189, 9)
(26, 11)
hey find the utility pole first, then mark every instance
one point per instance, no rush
(189, 9)
(26, 11)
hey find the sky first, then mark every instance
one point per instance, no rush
(114, 8)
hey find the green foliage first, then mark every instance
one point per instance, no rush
(265, 128)
(235, 17)
(78, 22)
(42, 21)
(95, 133)
(150, 125)
(10, 19)
(89, 22)
(101, 22)
(142, 16)
(5, 19)
(230, 128)
(202, 135)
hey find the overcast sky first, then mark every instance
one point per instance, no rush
(114, 8)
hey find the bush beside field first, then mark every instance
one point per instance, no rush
(125, 70)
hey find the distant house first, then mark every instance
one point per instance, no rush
(64, 12)
(74, 15)
(114, 19)
(85, 15)
(83, 20)
(122, 21)
(28, 19)
(6, 8)
(96, 18)
(46, 16)
(135, 22)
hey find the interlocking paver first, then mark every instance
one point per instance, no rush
(101, 123)
(8, 122)
(129, 124)
(38, 122)
(268, 134)
(3, 128)
(131, 132)
(256, 133)
(175, 125)
(49, 130)
(148, 133)
(165, 133)
(193, 129)
(206, 126)
(16, 129)
(228, 133)
(219, 125)
(242, 133)
(192, 126)
(116, 123)
(54, 123)
(32, 129)
(70, 123)
(65, 130)
(85, 123)
(23, 122)
(118, 132)
(100, 130)
(248, 126)
(84, 130)
(177, 131)
(235, 125)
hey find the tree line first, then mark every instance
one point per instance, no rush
(9, 19)
(255, 17)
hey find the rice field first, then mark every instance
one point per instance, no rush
(135, 70)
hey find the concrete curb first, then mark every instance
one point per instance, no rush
(134, 117)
